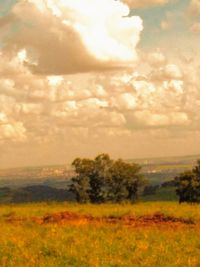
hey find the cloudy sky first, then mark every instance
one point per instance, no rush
(82, 77)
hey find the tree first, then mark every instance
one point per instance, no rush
(100, 178)
(81, 182)
(124, 182)
(104, 179)
(188, 185)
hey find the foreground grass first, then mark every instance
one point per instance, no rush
(28, 244)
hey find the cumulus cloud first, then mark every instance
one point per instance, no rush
(44, 112)
(156, 58)
(97, 110)
(145, 3)
(164, 97)
(168, 72)
(11, 130)
(57, 37)
(15, 132)
(158, 120)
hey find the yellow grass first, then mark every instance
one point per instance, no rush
(25, 244)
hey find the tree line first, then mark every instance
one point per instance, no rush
(103, 179)
(34, 193)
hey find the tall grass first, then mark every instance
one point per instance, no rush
(27, 244)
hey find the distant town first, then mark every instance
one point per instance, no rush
(158, 170)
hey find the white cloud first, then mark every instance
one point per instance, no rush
(167, 72)
(165, 97)
(61, 37)
(125, 101)
(156, 58)
(157, 120)
(172, 71)
(145, 3)
(156, 101)
(14, 132)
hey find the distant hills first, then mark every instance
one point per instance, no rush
(188, 159)
(157, 170)
(51, 183)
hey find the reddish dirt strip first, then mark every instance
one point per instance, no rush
(64, 218)
(157, 219)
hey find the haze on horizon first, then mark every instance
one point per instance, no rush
(83, 77)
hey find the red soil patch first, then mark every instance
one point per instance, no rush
(157, 219)
(65, 217)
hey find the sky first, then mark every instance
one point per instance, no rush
(84, 77)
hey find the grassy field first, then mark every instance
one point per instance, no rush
(25, 243)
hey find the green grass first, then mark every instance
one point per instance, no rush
(28, 244)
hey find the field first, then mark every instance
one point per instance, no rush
(144, 234)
